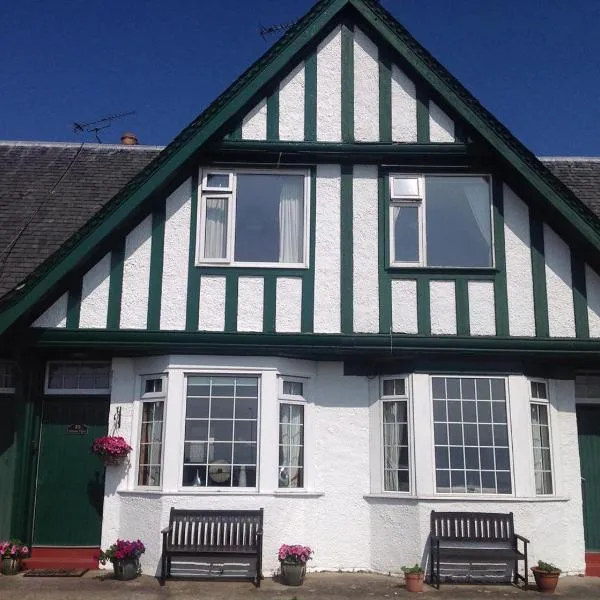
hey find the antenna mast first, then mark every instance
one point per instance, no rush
(96, 126)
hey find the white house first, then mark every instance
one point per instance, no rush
(345, 293)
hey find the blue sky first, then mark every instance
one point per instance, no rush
(532, 63)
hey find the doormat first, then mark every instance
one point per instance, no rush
(55, 572)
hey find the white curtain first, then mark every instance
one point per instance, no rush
(215, 234)
(393, 435)
(291, 234)
(478, 198)
(291, 443)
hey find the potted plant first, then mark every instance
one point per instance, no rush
(413, 578)
(546, 576)
(11, 553)
(113, 450)
(125, 558)
(293, 563)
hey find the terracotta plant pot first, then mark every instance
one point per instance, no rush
(546, 582)
(413, 582)
(126, 568)
(10, 566)
(292, 573)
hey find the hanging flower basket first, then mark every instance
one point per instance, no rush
(113, 450)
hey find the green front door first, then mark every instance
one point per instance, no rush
(588, 429)
(70, 480)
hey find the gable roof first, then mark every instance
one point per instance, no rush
(223, 112)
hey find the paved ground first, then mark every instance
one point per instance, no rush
(98, 585)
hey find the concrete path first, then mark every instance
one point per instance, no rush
(99, 585)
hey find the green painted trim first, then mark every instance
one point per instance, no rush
(231, 302)
(156, 266)
(385, 284)
(252, 271)
(423, 135)
(346, 250)
(580, 303)
(74, 304)
(385, 98)
(273, 115)
(461, 297)
(423, 307)
(236, 134)
(269, 303)
(193, 287)
(538, 270)
(347, 82)
(115, 290)
(500, 288)
(310, 98)
(441, 273)
(308, 281)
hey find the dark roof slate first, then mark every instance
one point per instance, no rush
(49, 190)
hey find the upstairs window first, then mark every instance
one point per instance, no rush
(253, 218)
(440, 221)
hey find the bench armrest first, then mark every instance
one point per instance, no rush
(166, 530)
(434, 540)
(520, 537)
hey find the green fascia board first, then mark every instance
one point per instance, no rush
(167, 166)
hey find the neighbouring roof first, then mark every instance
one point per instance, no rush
(49, 190)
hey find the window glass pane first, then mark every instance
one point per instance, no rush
(292, 388)
(291, 445)
(217, 180)
(78, 377)
(215, 228)
(153, 386)
(467, 441)
(269, 220)
(394, 387)
(151, 439)
(405, 187)
(458, 222)
(395, 446)
(221, 431)
(405, 228)
(542, 457)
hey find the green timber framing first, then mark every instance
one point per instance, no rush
(561, 207)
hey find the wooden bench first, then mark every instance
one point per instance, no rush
(221, 534)
(469, 537)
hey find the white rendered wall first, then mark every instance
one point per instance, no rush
(329, 88)
(94, 295)
(176, 257)
(288, 310)
(519, 278)
(404, 107)
(342, 513)
(441, 126)
(55, 315)
(136, 276)
(250, 303)
(366, 88)
(211, 312)
(365, 230)
(291, 105)
(482, 313)
(254, 125)
(327, 250)
(561, 315)
(443, 307)
(404, 306)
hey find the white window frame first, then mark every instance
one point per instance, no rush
(544, 402)
(420, 202)
(151, 397)
(301, 401)
(205, 489)
(513, 469)
(230, 195)
(79, 391)
(409, 418)
(10, 365)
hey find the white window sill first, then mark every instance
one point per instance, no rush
(208, 492)
(463, 498)
(301, 493)
(251, 265)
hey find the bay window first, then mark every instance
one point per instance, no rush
(394, 400)
(540, 431)
(253, 218)
(221, 431)
(440, 221)
(291, 434)
(153, 394)
(470, 427)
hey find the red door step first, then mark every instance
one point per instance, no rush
(592, 564)
(62, 558)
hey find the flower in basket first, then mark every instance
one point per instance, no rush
(122, 550)
(111, 448)
(13, 548)
(294, 555)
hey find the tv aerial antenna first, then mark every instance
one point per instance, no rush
(274, 29)
(96, 126)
